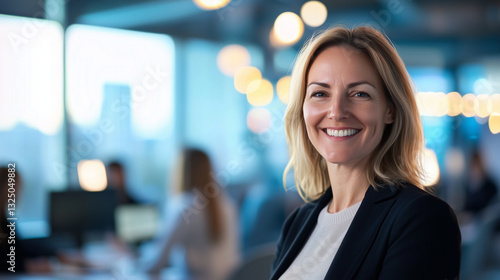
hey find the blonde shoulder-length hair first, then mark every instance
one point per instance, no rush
(396, 160)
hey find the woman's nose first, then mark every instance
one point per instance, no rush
(337, 108)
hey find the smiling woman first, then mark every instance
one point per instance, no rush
(355, 140)
(345, 109)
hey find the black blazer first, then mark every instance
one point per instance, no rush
(397, 233)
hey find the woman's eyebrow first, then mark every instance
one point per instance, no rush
(319, 84)
(353, 84)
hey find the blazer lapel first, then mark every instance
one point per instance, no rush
(362, 232)
(304, 233)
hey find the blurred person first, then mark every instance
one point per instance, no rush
(25, 259)
(480, 190)
(117, 181)
(202, 223)
(355, 139)
(264, 210)
(479, 220)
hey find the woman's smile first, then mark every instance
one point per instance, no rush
(344, 133)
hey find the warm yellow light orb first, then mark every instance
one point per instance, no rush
(431, 168)
(273, 40)
(454, 102)
(440, 105)
(245, 76)
(468, 105)
(494, 123)
(92, 175)
(495, 103)
(420, 103)
(231, 58)
(260, 93)
(482, 105)
(426, 103)
(314, 13)
(211, 4)
(283, 88)
(288, 28)
(259, 120)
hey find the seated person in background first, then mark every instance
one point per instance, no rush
(480, 189)
(263, 212)
(117, 181)
(202, 223)
(9, 194)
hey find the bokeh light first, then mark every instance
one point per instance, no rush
(211, 4)
(428, 103)
(259, 120)
(92, 175)
(260, 93)
(431, 103)
(245, 76)
(440, 104)
(288, 28)
(454, 102)
(468, 105)
(274, 41)
(495, 103)
(420, 103)
(283, 88)
(494, 123)
(231, 58)
(482, 105)
(431, 168)
(419, 97)
(314, 13)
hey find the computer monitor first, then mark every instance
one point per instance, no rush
(78, 212)
(136, 223)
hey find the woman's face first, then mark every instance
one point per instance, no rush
(345, 108)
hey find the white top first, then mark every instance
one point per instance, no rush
(315, 258)
(187, 229)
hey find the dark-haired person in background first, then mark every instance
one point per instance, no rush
(27, 259)
(481, 190)
(117, 181)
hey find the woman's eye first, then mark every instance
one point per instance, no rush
(361, 94)
(318, 94)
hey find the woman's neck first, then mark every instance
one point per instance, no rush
(348, 184)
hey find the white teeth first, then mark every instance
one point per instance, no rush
(342, 132)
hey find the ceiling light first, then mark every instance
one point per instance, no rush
(314, 13)
(211, 4)
(288, 28)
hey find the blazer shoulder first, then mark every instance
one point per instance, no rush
(412, 198)
(421, 230)
(414, 194)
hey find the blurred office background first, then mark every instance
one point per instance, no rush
(87, 83)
